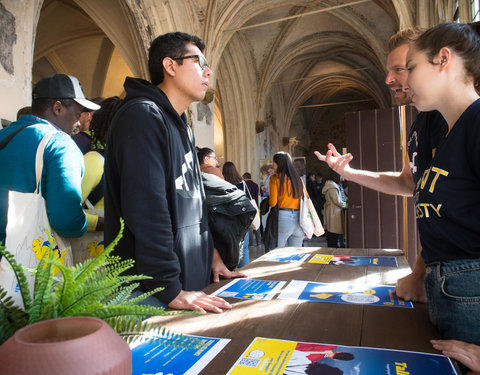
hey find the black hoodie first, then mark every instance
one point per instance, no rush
(153, 181)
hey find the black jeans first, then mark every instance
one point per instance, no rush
(332, 239)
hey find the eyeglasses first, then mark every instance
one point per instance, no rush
(212, 157)
(202, 62)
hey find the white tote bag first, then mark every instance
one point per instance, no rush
(26, 232)
(256, 221)
(309, 220)
(91, 244)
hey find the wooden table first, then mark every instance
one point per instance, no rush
(341, 324)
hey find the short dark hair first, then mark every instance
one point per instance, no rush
(24, 111)
(40, 106)
(202, 153)
(247, 175)
(102, 119)
(169, 45)
(333, 176)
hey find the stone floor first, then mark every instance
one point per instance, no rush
(258, 251)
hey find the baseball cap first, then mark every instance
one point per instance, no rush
(62, 86)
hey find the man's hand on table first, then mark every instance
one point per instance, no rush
(219, 269)
(468, 354)
(199, 301)
(411, 288)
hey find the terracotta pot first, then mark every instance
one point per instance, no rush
(74, 345)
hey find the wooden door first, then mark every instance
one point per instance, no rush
(375, 220)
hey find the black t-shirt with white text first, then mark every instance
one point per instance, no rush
(427, 131)
(448, 194)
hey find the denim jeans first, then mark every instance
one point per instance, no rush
(149, 301)
(289, 231)
(453, 292)
(244, 258)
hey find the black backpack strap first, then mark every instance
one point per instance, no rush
(10, 137)
(97, 193)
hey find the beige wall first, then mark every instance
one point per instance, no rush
(15, 85)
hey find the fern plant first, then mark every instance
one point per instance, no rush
(95, 287)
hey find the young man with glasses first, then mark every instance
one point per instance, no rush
(153, 179)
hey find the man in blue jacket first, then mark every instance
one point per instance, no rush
(57, 103)
(153, 179)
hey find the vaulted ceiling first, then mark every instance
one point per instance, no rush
(283, 69)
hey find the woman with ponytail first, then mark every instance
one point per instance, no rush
(444, 75)
(286, 189)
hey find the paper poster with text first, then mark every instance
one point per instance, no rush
(156, 358)
(349, 260)
(378, 295)
(250, 289)
(273, 356)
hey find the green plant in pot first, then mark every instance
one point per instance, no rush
(93, 288)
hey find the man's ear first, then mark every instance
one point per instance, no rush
(169, 66)
(57, 108)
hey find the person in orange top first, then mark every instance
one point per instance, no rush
(285, 190)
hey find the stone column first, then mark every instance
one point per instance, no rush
(202, 115)
(18, 23)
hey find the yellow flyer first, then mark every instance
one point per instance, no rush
(275, 357)
(321, 259)
(264, 356)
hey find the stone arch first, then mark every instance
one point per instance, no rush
(238, 108)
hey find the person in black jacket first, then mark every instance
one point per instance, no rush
(153, 179)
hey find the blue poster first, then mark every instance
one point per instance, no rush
(350, 260)
(250, 289)
(379, 295)
(157, 358)
(285, 257)
(273, 356)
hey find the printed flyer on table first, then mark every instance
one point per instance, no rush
(350, 260)
(159, 358)
(380, 295)
(285, 257)
(250, 289)
(273, 356)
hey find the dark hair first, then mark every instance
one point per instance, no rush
(101, 121)
(461, 38)
(40, 106)
(343, 356)
(317, 368)
(247, 175)
(169, 45)
(334, 176)
(287, 171)
(231, 174)
(202, 153)
(24, 111)
(405, 36)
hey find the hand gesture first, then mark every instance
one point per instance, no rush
(339, 163)
(199, 301)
